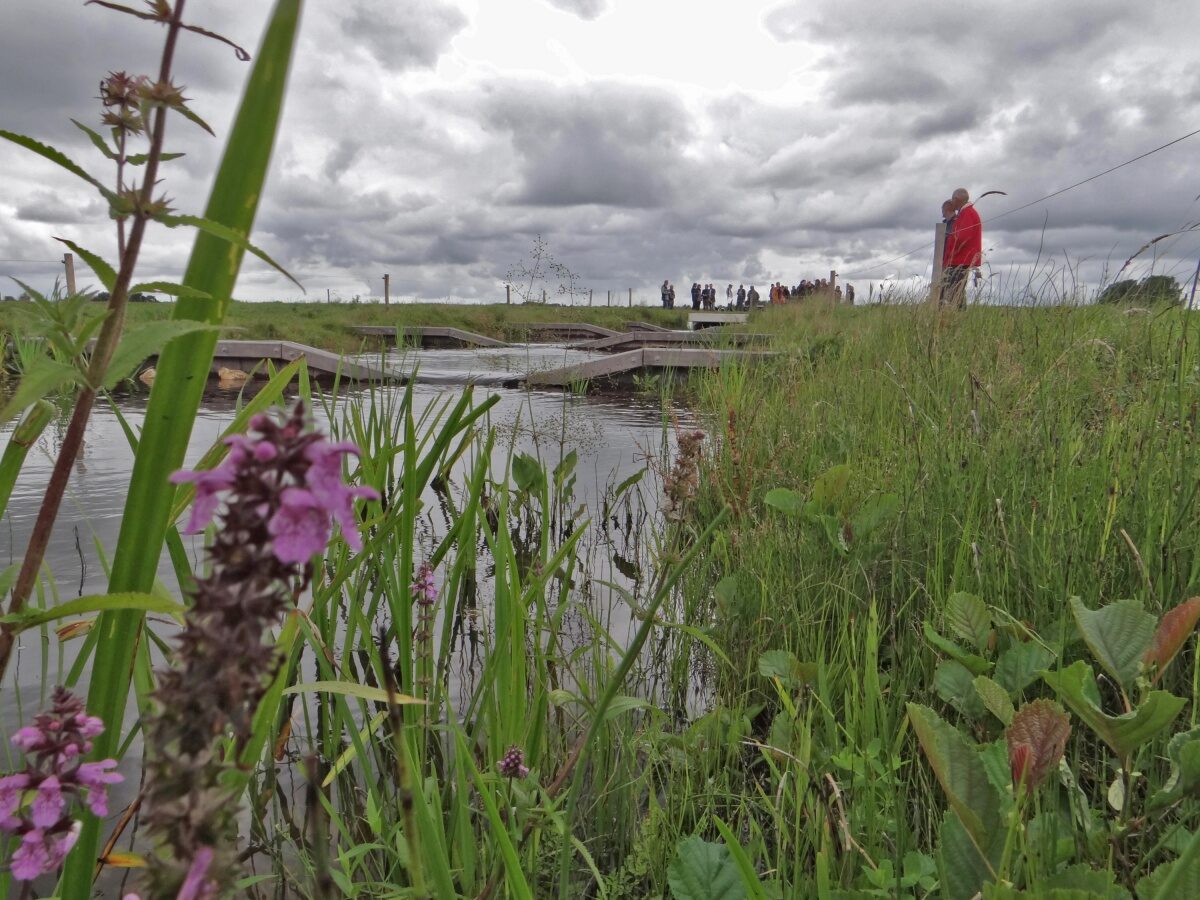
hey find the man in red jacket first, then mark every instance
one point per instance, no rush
(964, 249)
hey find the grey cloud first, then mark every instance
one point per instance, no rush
(404, 34)
(905, 83)
(56, 209)
(585, 9)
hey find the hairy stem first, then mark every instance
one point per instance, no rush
(106, 343)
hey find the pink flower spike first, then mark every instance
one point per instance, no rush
(62, 846)
(91, 726)
(300, 527)
(96, 778)
(194, 886)
(48, 805)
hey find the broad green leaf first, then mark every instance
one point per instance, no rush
(1098, 883)
(527, 473)
(976, 665)
(750, 880)
(1076, 685)
(58, 158)
(704, 871)
(225, 233)
(995, 698)
(105, 272)
(20, 442)
(1119, 635)
(785, 500)
(32, 617)
(967, 617)
(960, 772)
(829, 490)
(1174, 629)
(784, 665)
(1037, 738)
(140, 342)
(41, 377)
(1183, 751)
(954, 684)
(967, 863)
(96, 140)
(1021, 665)
(628, 483)
(1174, 880)
(352, 689)
(625, 704)
(169, 287)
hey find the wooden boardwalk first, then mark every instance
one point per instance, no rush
(567, 331)
(699, 320)
(427, 336)
(245, 355)
(621, 367)
(675, 339)
(644, 326)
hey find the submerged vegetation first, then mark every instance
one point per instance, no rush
(908, 616)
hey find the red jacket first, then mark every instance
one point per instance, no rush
(964, 247)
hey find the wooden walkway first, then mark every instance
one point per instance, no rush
(623, 366)
(675, 339)
(245, 355)
(567, 331)
(644, 326)
(699, 320)
(427, 336)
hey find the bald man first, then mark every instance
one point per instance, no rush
(964, 248)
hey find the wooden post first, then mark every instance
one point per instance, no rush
(631, 298)
(939, 248)
(387, 290)
(589, 296)
(832, 285)
(328, 297)
(508, 294)
(69, 265)
(609, 301)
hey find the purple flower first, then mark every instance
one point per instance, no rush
(300, 527)
(96, 777)
(423, 588)
(48, 805)
(32, 857)
(324, 479)
(195, 885)
(209, 486)
(12, 788)
(512, 764)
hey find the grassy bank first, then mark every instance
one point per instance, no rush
(328, 325)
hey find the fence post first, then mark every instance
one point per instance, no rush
(69, 265)
(832, 285)
(589, 296)
(387, 290)
(631, 298)
(609, 300)
(939, 248)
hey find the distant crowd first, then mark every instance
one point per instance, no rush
(706, 296)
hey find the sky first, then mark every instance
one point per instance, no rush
(743, 142)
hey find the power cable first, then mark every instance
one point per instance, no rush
(1050, 196)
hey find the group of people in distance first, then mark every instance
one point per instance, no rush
(705, 296)
(963, 249)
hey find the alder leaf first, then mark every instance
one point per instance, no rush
(1037, 739)
(1173, 631)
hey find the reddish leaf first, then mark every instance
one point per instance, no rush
(1037, 739)
(1174, 629)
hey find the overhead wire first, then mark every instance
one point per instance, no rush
(1049, 196)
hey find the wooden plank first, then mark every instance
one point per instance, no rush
(598, 368)
(708, 319)
(429, 334)
(632, 340)
(625, 364)
(644, 326)
(569, 330)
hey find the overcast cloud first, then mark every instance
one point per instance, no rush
(744, 142)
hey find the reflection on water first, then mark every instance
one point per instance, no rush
(611, 434)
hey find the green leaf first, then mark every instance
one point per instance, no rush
(829, 490)
(995, 698)
(169, 287)
(954, 684)
(527, 473)
(1183, 751)
(959, 770)
(1119, 635)
(350, 753)
(625, 704)
(1098, 883)
(967, 863)
(1076, 685)
(96, 139)
(146, 339)
(225, 233)
(784, 500)
(105, 272)
(140, 159)
(704, 871)
(91, 603)
(1021, 665)
(784, 665)
(976, 665)
(58, 158)
(750, 880)
(41, 377)
(352, 689)
(1037, 739)
(1174, 880)
(628, 483)
(873, 513)
(967, 616)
